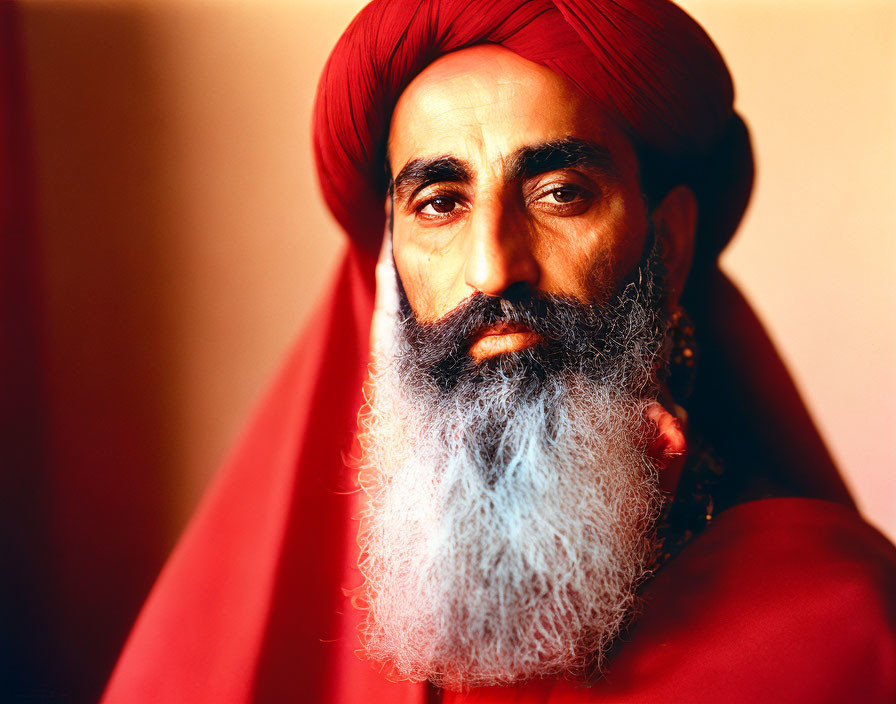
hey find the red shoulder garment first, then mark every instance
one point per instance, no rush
(787, 599)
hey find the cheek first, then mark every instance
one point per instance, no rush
(409, 273)
(427, 278)
(581, 268)
(588, 261)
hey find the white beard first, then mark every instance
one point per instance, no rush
(481, 577)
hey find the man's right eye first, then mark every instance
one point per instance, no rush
(440, 205)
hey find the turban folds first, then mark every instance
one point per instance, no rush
(645, 63)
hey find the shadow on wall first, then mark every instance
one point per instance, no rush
(88, 514)
(176, 240)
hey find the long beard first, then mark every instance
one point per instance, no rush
(511, 508)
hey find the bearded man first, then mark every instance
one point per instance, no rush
(540, 519)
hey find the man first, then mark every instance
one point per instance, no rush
(545, 513)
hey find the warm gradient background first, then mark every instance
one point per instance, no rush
(166, 240)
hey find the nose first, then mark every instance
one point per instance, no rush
(500, 251)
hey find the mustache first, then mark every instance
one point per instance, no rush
(590, 338)
(556, 319)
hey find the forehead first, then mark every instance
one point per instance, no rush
(485, 102)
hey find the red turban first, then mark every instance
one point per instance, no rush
(645, 63)
(251, 607)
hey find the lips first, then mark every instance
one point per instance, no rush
(501, 338)
(502, 329)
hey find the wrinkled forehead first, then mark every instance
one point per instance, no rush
(484, 104)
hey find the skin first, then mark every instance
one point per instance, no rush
(487, 225)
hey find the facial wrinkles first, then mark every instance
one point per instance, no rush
(480, 108)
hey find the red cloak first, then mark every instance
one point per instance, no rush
(781, 599)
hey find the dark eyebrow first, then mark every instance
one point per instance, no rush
(565, 153)
(419, 173)
(526, 162)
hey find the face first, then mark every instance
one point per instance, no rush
(507, 178)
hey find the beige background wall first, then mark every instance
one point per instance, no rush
(816, 81)
(183, 240)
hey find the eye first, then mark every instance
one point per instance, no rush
(563, 199)
(440, 205)
(565, 194)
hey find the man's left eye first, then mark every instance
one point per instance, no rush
(563, 200)
(565, 194)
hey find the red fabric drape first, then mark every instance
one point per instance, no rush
(267, 535)
(251, 607)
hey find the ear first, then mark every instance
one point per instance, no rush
(675, 224)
